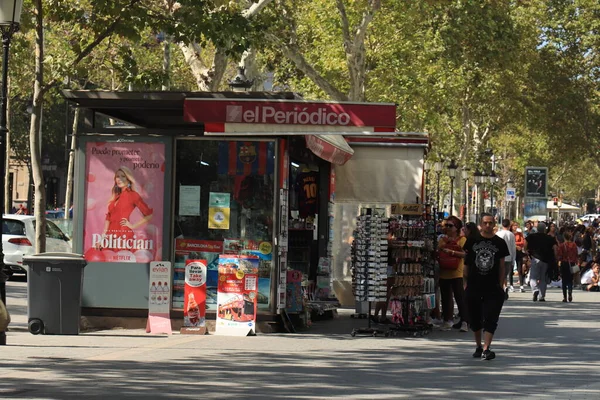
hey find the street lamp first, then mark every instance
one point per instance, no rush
(452, 174)
(437, 167)
(479, 179)
(10, 15)
(464, 174)
(426, 169)
(240, 83)
(493, 179)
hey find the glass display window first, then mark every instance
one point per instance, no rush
(224, 204)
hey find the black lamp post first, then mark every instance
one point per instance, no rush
(437, 167)
(10, 15)
(426, 169)
(240, 83)
(452, 168)
(464, 174)
(479, 179)
(493, 180)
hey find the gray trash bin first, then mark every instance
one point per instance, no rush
(54, 284)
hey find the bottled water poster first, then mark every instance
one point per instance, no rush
(159, 297)
(194, 307)
(237, 295)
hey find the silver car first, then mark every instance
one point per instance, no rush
(18, 239)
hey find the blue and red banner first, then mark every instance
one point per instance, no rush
(239, 158)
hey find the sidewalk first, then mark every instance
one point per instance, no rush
(544, 351)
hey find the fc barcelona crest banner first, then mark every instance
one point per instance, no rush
(246, 158)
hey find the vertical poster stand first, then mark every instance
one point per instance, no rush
(194, 306)
(369, 263)
(159, 319)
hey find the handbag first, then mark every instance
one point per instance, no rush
(448, 261)
(574, 268)
(4, 317)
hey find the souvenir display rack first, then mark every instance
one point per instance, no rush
(413, 266)
(369, 263)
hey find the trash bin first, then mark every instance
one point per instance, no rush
(54, 284)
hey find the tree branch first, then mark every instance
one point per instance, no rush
(292, 52)
(255, 8)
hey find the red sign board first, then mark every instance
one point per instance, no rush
(286, 112)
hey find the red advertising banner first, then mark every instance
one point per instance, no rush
(186, 249)
(124, 191)
(194, 307)
(289, 112)
(237, 295)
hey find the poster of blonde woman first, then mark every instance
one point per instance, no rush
(124, 193)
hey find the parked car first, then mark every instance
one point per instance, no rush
(589, 217)
(18, 239)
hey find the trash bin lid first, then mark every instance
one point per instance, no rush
(53, 257)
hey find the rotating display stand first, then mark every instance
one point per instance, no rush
(413, 266)
(369, 263)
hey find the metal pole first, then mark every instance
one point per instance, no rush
(492, 199)
(437, 198)
(7, 32)
(465, 201)
(451, 195)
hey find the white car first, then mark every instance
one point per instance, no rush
(589, 217)
(18, 239)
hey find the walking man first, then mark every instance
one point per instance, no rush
(543, 251)
(484, 274)
(510, 240)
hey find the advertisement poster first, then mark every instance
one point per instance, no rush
(536, 179)
(194, 308)
(186, 249)
(124, 191)
(218, 210)
(535, 208)
(159, 320)
(237, 295)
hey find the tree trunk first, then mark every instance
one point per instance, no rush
(34, 134)
(71, 168)
(166, 65)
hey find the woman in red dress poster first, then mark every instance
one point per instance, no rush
(118, 233)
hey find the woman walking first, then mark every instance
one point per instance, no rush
(567, 255)
(520, 242)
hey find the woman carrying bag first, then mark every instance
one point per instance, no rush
(451, 260)
(567, 256)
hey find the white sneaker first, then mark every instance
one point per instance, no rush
(447, 326)
(464, 327)
(436, 322)
(522, 289)
(511, 289)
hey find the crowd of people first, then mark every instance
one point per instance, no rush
(480, 265)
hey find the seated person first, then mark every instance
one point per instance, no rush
(590, 278)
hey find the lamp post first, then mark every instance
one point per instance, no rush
(493, 180)
(426, 169)
(479, 179)
(464, 174)
(10, 15)
(437, 167)
(240, 83)
(452, 167)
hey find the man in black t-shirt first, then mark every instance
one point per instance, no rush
(484, 274)
(543, 251)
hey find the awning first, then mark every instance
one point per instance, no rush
(332, 148)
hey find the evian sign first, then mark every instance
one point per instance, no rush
(296, 116)
(290, 112)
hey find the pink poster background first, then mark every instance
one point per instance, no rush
(146, 161)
